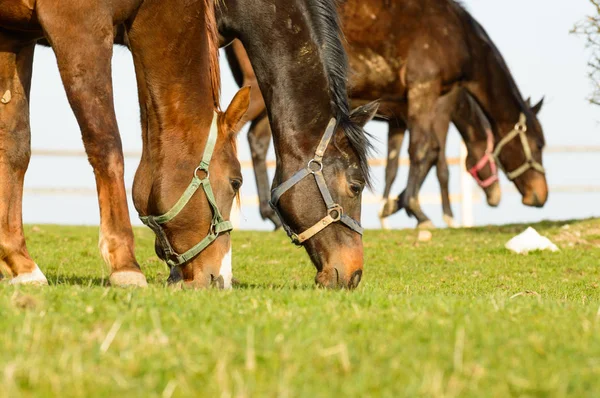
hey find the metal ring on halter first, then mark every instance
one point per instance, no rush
(314, 161)
(336, 209)
(521, 127)
(201, 168)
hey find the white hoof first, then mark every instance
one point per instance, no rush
(449, 221)
(127, 279)
(36, 277)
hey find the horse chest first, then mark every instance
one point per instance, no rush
(16, 14)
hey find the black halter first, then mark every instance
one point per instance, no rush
(335, 212)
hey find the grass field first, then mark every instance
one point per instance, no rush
(457, 316)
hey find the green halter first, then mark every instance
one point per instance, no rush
(218, 225)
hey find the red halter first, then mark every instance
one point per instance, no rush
(487, 158)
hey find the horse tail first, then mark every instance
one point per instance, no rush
(213, 48)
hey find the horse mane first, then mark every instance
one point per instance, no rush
(210, 20)
(327, 32)
(485, 38)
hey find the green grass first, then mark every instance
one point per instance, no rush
(457, 316)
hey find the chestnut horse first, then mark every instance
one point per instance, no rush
(178, 100)
(320, 145)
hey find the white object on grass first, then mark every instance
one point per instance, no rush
(530, 240)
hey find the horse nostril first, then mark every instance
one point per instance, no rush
(355, 279)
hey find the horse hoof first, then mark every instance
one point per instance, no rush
(449, 221)
(36, 277)
(424, 235)
(426, 225)
(127, 279)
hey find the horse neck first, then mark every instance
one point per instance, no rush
(493, 84)
(290, 71)
(177, 97)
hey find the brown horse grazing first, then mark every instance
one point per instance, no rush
(320, 145)
(466, 114)
(420, 50)
(178, 99)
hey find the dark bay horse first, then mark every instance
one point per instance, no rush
(181, 130)
(420, 50)
(311, 128)
(465, 112)
(320, 145)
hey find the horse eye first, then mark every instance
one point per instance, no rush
(236, 184)
(356, 189)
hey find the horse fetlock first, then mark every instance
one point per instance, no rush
(449, 220)
(390, 206)
(426, 225)
(117, 253)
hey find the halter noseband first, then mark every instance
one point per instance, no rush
(335, 212)
(520, 130)
(487, 158)
(218, 225)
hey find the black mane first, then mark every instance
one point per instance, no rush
(328, 35)
(484, 37)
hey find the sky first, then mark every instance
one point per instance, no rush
(533, 37)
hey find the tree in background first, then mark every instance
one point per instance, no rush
(589, 28)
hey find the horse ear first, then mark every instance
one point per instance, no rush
(237, 109)
(528, 101)
(363, 114)
(537, 107)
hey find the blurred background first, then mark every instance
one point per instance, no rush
(533, 36)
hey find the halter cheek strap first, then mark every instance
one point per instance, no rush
(488, 157)
(520, 131)
(218, 224)
(335, 212)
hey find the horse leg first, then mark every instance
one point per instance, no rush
(259, 137)
(15, 152)
(443, 174)
(396, 132)
(84, 62)
(424, 146)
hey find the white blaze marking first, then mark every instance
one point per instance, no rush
(36, 276)
(226, 270)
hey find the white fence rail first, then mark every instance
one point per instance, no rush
(467, 197)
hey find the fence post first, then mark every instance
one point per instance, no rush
(466, 190)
